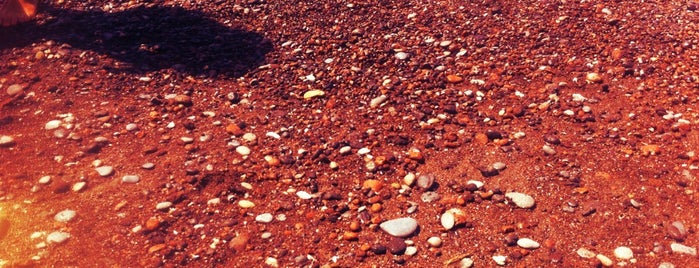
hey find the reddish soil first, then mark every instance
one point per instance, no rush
(591, 107)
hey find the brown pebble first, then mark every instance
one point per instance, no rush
(234, 129)
(396, 246)
(350, 236)
(355, 226)
(481, 138)
(452, 78)
(152, 223)
(156, 248)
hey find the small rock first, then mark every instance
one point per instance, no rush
(396, 246)
(163, 205)
(246, 204)
(57, 237)
(242, 150)
(409, 179)
(264, 218)
(78, 186)
(593, 78)
(521, 200)
(375, 102)
(452, 218)
(677, 231)
(249, 137)
(500, 260)
(548, 150)
(105, 171)
(239, 242)
(466, 263)
(313, 93)
(6, 141)
(14, 89)
(429, 197)
(682, 249)
(434, 241)
(400, 227)
(65, 216)
(425, 181)
(410, 251)
(623, 253)
(499, 166)
(183, 99)
(666, 265)
(401, 55)
(130, 179)
(585, 253)
(148, 166)
(53, 124)
(45, 180)
(271, 261)
(152, 223)
(604, 260)
(452, 78)
(304, 195)
(528, 243)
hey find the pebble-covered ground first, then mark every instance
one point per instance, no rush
(368, 133)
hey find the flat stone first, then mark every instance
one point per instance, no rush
(410, 251)
(6, 141)
(313, 93)
(105, 171)
(375, 102)
(65, 216)
(130, 179)
(683, 249)
(400, 227)
(304, 195)
(521, 200)
(585, 253)
(528, 243)
(57, 237)
(623, 253)
(246, 204)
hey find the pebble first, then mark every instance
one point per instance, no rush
(271, 261)
(593, 78)
(500, 260)
(78, 186)
(345, 150)
(246, 204)
(666, 265)
(623, 253)
(313, 93)
(452, 78)
(14, 89)
(363, 151)
(401, 55)
(57, 237)
(396, 246)
(585, 253)
(45, 179)
(243, 150)
(466, 263)
(6, 141)
(130, 179)
(400, 227)
(163, 205)
(249, 137)
(677, 231)
(53, 124)
(548, 150)
(264, 218)
(429, 197)
(410, 251)
(452, 218)
(239, 242)
(131, 127)
(527, 243)
(375, 102)
(604, 260)
(304, 195)
(478, 184)
(499, 166)
(409, 179)
(105, 171)
(148, 165)
(434, 241)
(521, 200)
(682, 249)
(425, 181)
(65, 216)
(273, 135)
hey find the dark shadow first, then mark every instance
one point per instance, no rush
(148, 39)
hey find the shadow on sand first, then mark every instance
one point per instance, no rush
(149, 39)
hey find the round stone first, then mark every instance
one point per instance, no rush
(14, 89)
(466, 263)
(623, 253)
(410, 251)
(243, 150)
(521, 200)
(401, 55)
(65, 216)
(434, 241)
(400, 227)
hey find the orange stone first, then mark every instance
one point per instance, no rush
(415, 154)
(650, 149)
(234, 129)
(452, 78)
(374, 185)
(481, 138)
(156, 248)
(152, 223)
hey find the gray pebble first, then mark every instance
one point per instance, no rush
(400, 227)
(425, 181)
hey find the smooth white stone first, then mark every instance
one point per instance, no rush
(57, 237)
(104, 171)
(65, 216)
(528, 243)
(264, 218)
(521, 200)
(400, 227)
(623, 253)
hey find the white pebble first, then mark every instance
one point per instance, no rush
(264, 218)
(246, 204)
(666, 265)
(548, 150)
(410, 251)
(148, 166)
(272, 262)
(500, 260)
(527, 243)
(401, 55)
(249, 137)
(304, 195)
(478, 184)
(585, 253)
(163, 205)
(6, 141)
(243, 150)
(45, 179)
(65, 216)
(130, 179)
(78, 186)
(131, 127)
(623, 253)
(213, 201)
(105, 171)
(682, 249)
(345, 150)
(363, 151)
(604, 260)
(466, 263)
(499, 166)
(375, 102)
(57, 237)
(400, 227)
(409, 179)
(273, 135)
(521, 200)
(53, 124)
(434, 241)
